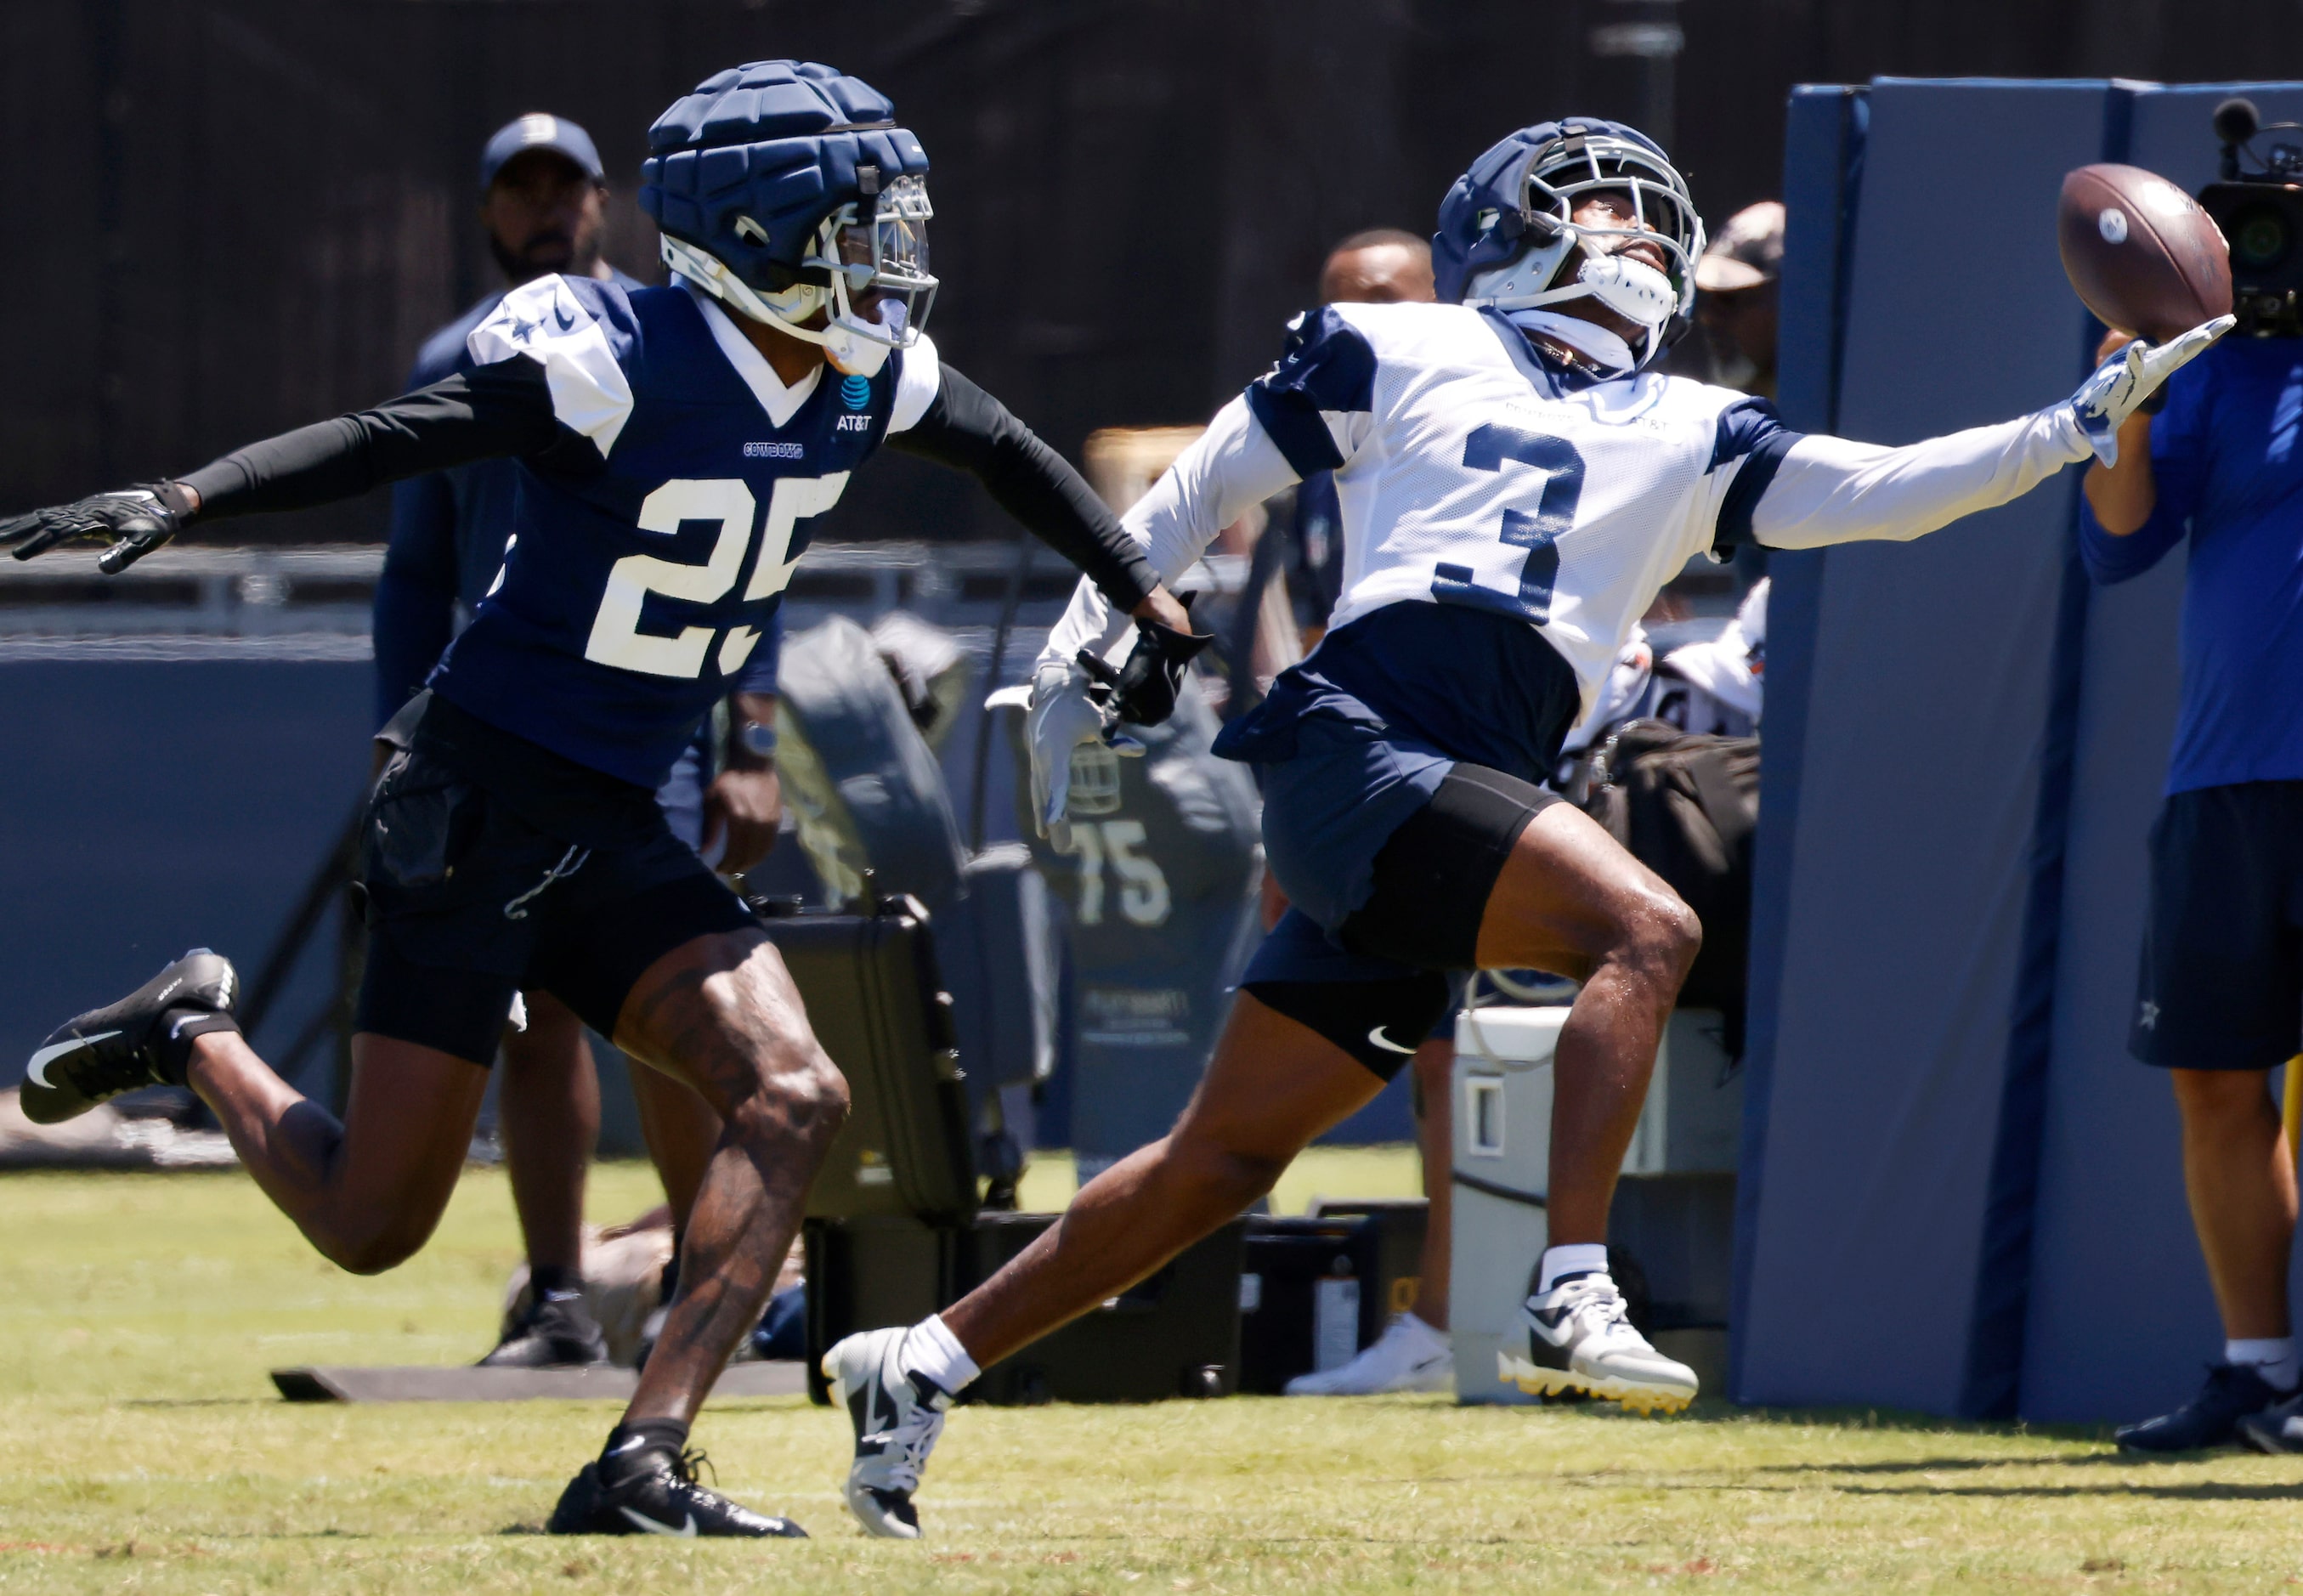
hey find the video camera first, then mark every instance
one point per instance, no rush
(2261, 215)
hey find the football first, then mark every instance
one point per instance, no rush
(2143, 256)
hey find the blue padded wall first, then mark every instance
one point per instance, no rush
(2120, 1316)
(1825, 133)
(1904, 902)
(148, 807)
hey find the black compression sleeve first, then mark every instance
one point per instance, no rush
(492, 410)
(966, 428)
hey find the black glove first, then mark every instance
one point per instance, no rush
(134, 522)
(1142, 692)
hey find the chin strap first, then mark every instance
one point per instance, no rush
(1631, 288)
(1594, 342)
(849, 353)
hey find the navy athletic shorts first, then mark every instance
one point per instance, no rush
(2221, 979)
(1382, 977)
(492, 865)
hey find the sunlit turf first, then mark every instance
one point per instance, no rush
(141, 1449)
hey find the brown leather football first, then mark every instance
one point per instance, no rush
(2141, 253)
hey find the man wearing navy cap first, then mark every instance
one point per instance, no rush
(544, 203)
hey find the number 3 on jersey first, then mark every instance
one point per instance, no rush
(616, 639)
(1487, 448)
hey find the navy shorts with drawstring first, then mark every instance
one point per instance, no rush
(492, 866)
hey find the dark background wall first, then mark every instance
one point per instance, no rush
(228, 216)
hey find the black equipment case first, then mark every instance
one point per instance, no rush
(878, 1006)
(1176, 1334)
(1313, 1291)
(894, 1231)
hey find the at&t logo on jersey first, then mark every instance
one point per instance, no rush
(855, 392)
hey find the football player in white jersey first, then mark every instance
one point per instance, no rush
(1515, 487)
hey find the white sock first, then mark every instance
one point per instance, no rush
(2271, 1356)
(930, 1348)
(1578, 1258)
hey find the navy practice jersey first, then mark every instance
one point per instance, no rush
(448, 532)
(668, 483)
(641, 575)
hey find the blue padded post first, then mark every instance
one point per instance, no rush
(1904, 900)
(1823, 150)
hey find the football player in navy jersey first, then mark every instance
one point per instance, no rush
(1515, 485)
(675, 446)
(542, 202)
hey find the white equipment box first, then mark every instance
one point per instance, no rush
(1693, 1123)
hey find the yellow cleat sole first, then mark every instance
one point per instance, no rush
(1631, 1394)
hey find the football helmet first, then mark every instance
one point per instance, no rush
(1507, 235)
(784, 188)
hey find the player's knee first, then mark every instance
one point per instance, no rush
(809, 1101)
(1660, 937)
(374, 1249)
(1230, 1178)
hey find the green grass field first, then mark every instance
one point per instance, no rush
(141, 1449)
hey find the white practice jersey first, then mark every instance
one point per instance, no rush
(1470, 471)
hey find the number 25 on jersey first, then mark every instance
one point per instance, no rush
(727, 502)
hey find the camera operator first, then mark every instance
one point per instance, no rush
(2220, 986)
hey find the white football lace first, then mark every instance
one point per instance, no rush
(912, 1440)
(1595, 1300)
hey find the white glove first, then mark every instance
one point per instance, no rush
(1062, 719)
(2129, 376)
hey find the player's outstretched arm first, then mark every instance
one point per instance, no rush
(504, 408)
(967, 430)
(1229, 469)
(1828, 490)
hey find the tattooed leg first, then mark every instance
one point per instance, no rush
(721, 1013)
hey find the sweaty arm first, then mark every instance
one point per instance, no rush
(1228, 469)
(504, 409)
(966, 428)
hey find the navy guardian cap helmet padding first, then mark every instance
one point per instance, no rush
(770, 172)
(1507, 229)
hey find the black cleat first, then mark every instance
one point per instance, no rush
(2233, 1391)
(131, 1043)
(659, 1496)
(556, 1333)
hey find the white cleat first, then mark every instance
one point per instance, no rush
(1579, 1339)
(897, 1418)
(1410, 1355)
